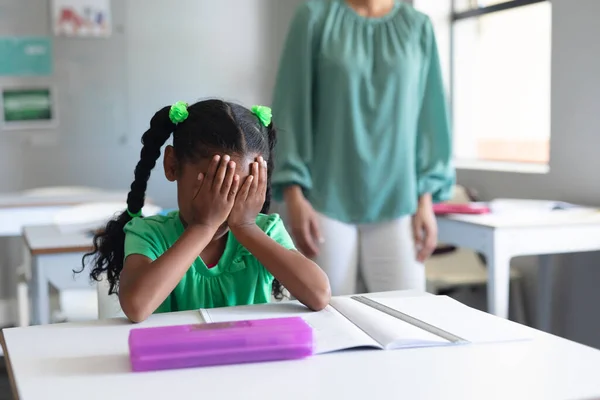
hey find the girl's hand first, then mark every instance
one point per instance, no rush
(425, 228)
(251, 197)
(215, 193)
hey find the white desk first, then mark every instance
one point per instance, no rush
(18, 210)
(501, 237)
(90, 361)
(53, 256)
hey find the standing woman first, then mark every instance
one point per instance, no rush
(365, 143)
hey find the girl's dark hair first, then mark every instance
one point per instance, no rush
(212, 126)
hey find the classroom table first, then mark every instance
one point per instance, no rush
(90, 361)
(18, 210)
(54, 254)
(502, 236)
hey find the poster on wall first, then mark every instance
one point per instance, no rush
(28, 108)
(81, 18)
(25, 56)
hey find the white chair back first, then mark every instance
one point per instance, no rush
(108, 306)
(461, 195)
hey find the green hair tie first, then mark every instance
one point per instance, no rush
(178, 112)
(263, 113)
(132, 215)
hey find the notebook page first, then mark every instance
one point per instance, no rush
(332, 331)
(389, 331)
(454, 317)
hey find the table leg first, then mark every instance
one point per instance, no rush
(545, 291)
(498, 287)
(40, 294)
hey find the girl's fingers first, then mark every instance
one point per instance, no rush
(212, 169)
(221, 172)
(233, 190)
(198, 184)
(243, 193)
(254, 173)
(228, 180)
(262, 181)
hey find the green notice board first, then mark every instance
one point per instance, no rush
(22, 105)
(25, 56)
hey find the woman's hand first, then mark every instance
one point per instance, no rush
(425, 228)
(303, 221)
(251, 197)
(215, 193)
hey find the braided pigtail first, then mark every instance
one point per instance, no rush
(272, 137)
(278, 289)
(109, 252)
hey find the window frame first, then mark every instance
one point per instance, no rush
(475, 13)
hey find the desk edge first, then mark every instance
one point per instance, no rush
(478, 224)
(40, 204)
(46, 203)
(11, 376)
(54, 250)
(60, 250)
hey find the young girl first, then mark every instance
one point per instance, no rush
(220, 249)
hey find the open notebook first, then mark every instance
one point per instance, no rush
(385, 322)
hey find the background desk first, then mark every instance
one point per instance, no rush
(18, 211)
(53, 257)
(90, 361)
(503, 236)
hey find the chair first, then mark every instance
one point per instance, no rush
(108, 305)
(450, 269)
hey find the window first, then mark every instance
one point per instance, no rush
(468, 5)
(497, 62)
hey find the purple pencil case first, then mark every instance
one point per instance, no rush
(221, 343)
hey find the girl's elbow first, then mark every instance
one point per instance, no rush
(134, 312)
(320, 303)
(135, 317)
(320, 297)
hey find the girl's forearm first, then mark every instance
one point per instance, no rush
(145, 287)
(302, 277)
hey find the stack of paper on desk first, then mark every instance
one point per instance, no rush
(417, 322)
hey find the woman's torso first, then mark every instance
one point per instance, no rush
(368, 75)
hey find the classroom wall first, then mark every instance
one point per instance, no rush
(574, 164)
(108, 89)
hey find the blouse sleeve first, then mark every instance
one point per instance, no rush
(292, 106)
(435, 173)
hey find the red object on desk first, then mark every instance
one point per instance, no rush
(466, 208)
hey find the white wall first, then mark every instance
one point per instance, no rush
(109, 89)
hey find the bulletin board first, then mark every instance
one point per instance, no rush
(25, 56)
(28, 107)
(87, 77)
